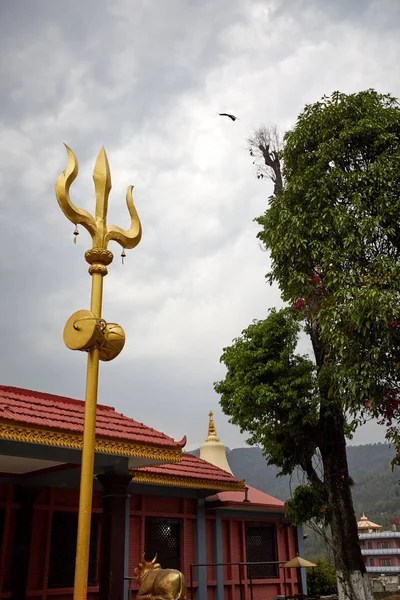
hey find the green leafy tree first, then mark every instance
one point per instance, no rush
(321, 580)
(332, 229)
(265, 380)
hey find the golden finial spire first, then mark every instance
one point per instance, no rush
(212, 430)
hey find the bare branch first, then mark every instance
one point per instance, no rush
(322, 531)
(311, 473)
(265, 146)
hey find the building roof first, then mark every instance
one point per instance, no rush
(190, 472)
(255, 500)
(298, 563)
(52, 420)
(365, 523)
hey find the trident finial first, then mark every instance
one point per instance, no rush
(98, 229)
(87, 330)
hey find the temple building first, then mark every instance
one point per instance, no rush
(381, 549)
(149, 496)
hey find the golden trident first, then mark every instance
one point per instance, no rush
(86, 330)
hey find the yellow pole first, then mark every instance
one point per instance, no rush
(87, 468)
(87, 331)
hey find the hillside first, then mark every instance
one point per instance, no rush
(376, 489)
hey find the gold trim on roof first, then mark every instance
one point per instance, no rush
(60, 439)
(188, 482)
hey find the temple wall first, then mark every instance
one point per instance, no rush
(48, 560)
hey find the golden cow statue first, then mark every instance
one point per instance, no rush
(156, 583)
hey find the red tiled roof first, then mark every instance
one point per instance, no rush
(195, 469)
(49, 411)
(256, 499)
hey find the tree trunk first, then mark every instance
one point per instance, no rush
(353, 582)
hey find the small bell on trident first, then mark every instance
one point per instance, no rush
(87, 331)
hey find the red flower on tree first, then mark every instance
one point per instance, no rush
(316, 279)
(298, 305)
(393, 324)
(389, 409)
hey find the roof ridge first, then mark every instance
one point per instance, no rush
(49, 397)
(189, 468)
(60, 412)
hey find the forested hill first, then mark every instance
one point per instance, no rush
(376, 490)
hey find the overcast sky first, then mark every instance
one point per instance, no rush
(146, 79)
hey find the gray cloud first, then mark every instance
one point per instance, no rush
(147, 80)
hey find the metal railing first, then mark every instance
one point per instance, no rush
(379, 551)
(129, 580)
(242, 580)
(383, 569)
(244, 576)
(379, 534)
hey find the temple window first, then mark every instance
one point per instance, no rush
(385, 562)
(163, 537)
(261, 547)
(63, 550)
(383, 545)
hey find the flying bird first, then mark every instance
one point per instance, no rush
(229, 116)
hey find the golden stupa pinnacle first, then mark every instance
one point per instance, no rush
(212, 430)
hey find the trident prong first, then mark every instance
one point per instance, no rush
(127, 238)
(78, 216)
(101, 233)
